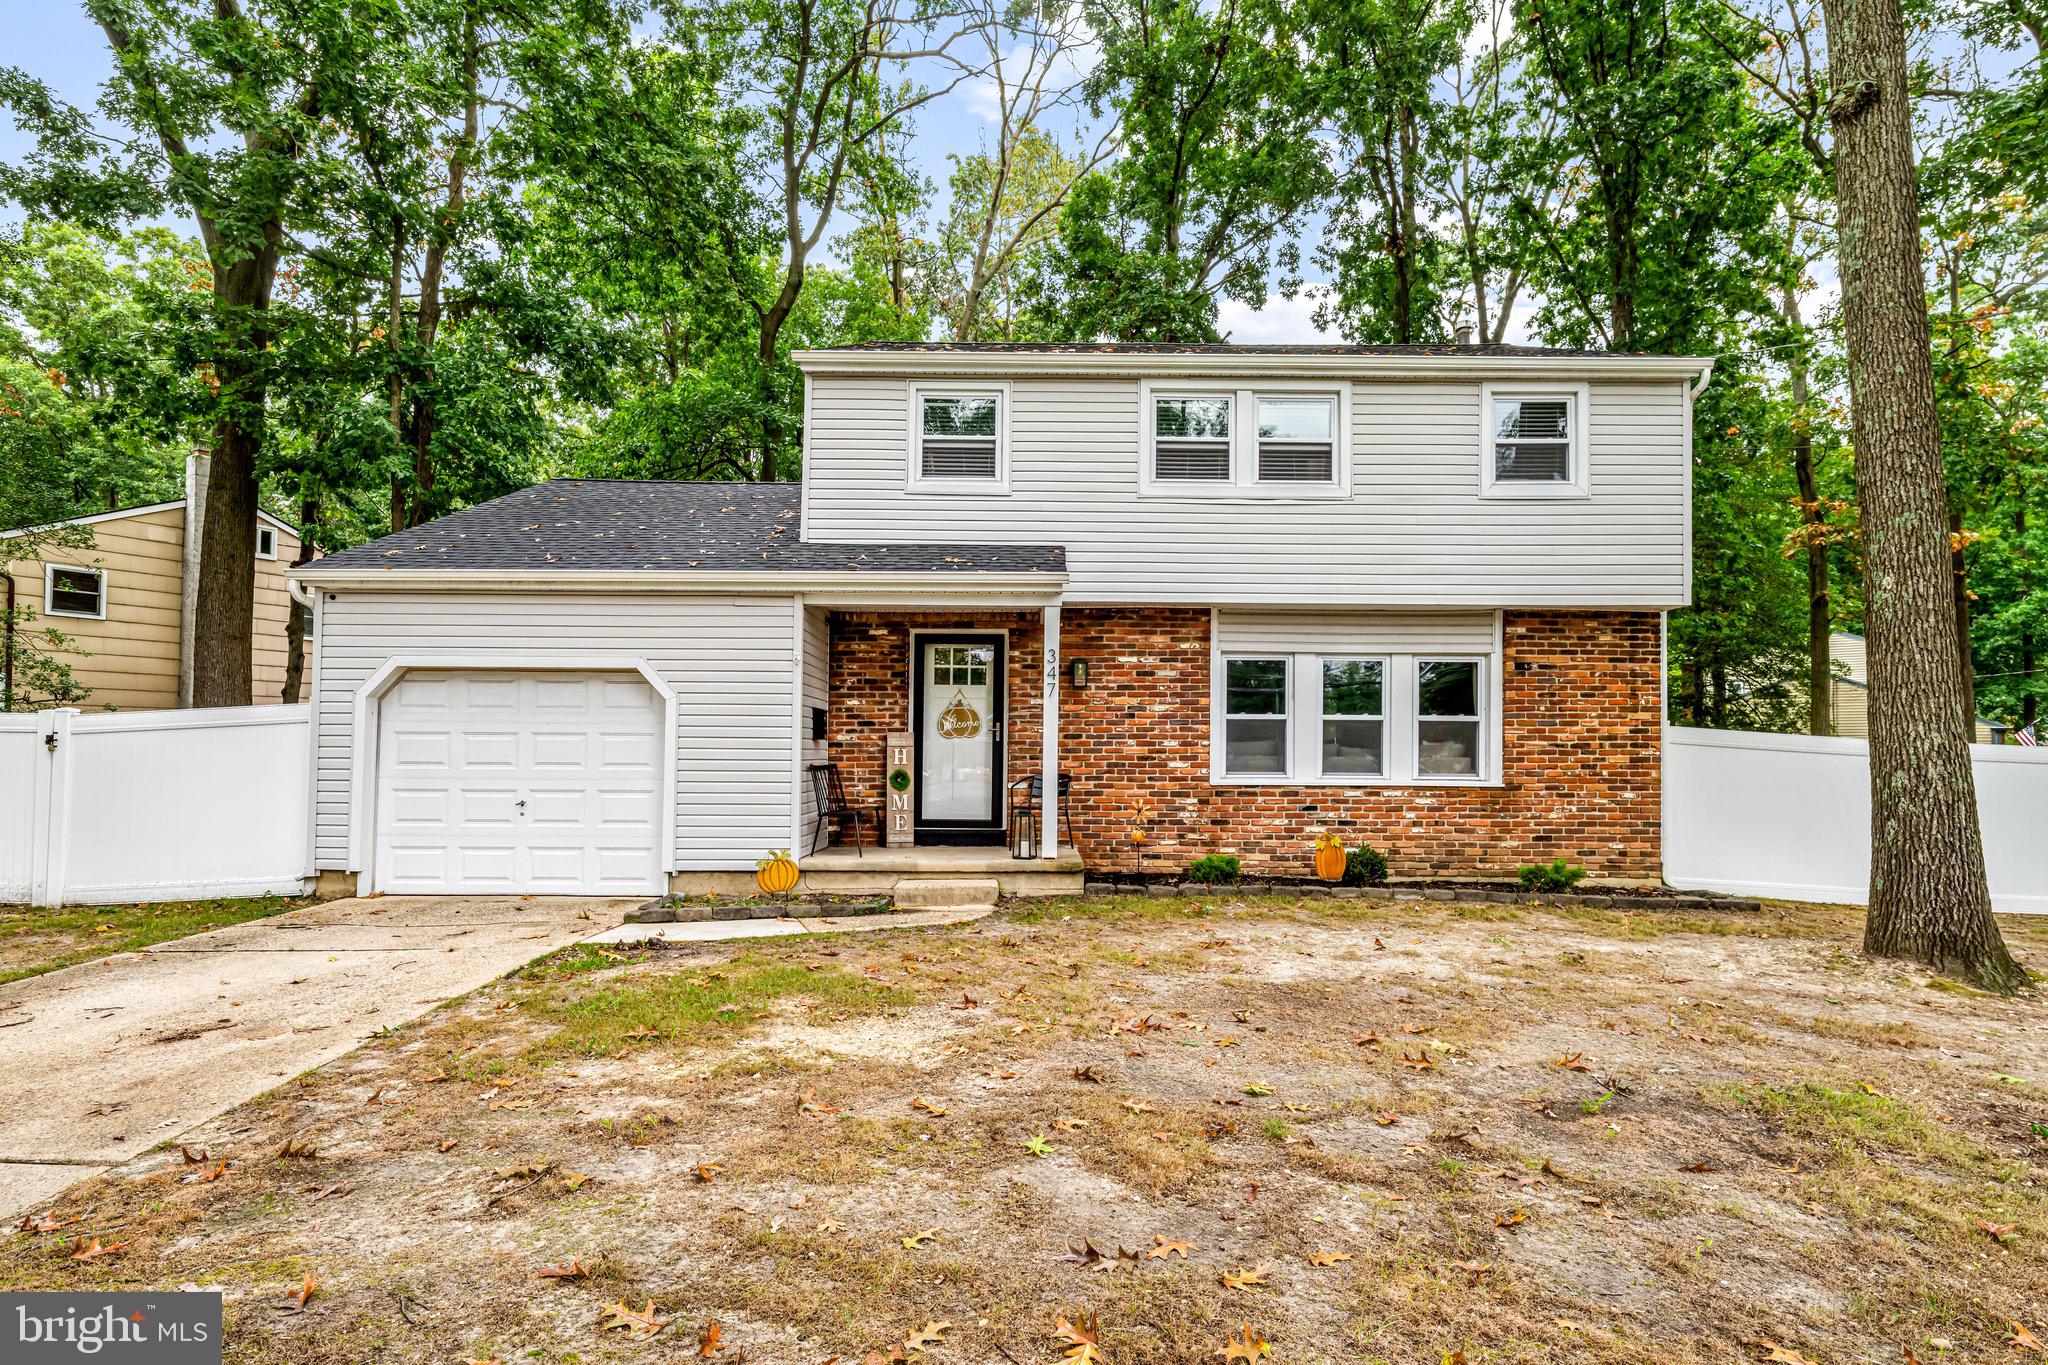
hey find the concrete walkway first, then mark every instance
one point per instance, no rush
(100, 1062)
(719, 931)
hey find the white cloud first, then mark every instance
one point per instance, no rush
(1279, 320)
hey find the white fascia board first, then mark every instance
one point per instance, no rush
(949, 584)
(1084, 364)
(141, 511)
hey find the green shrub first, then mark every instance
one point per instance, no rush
(1558, 875)
(1365, 866)
(1214, 869)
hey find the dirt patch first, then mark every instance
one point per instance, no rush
(1377, 1132)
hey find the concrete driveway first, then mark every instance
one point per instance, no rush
(100, 1062)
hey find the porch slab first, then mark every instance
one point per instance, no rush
(840, 870)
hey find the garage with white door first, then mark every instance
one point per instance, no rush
(530, 782)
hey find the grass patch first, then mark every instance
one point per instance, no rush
(692, 1005)
(35, 939)
(1860, 1119)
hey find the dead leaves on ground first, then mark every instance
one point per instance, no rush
(2020, 1339)
(923, 1339)
(81, 1250)
(1324, 1259)
(571, 1269)
(1078, 1339)
(1246, 1345)
(1163, 1247)
(1244, 1280)
(638, 1326)
(303, 1295)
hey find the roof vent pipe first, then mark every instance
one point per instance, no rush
(1464, 336)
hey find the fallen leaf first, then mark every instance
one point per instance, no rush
(1163, 1247)
(81, 1251)
(1386, 1118)
(1998, 1231)
(573, 1181)
(49, 1222)
(1140, 1106)
(1785, 1355)
(1508, 1220)
(708, 1341)
(2020, 1339)
(1473, 1268)
(303, 1295)
(1419, 1062)
(1698, 1167)
(1245, 1345)
(918, 1239)
(207, 1176)
(446, 1145)
(568, 1270)
(1085, 1255)
(1066, 1125)
(1244, 1279)
(708, 1171)
(1328, 1258)
(930, 1335)
(1572, 1062)
(1089, 1074)
(931, 1107)
(637, 1326)
(1078, 1339)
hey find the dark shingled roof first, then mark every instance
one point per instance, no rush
(656, 524)
(1230, 348)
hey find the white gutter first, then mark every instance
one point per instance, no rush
(1084, 363)
(1699, 386)
(938, 582)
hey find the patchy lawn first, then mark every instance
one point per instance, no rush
(33, 940)
(1357, 1131)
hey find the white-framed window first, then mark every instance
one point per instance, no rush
(959, 438)
(1450, 718)
(1283, 442)
(266, 542)
(71, 590)
(1354, 718)
(1532, 441)
(1255, 706)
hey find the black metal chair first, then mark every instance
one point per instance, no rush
(830, 795)
(1026, 793)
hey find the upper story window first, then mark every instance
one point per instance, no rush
(266, 542)
(1533, 442)
(960, 439)
(1242, 442)
(72, 591)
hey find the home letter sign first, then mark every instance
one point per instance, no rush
(899, 821)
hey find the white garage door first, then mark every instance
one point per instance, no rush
(545, 783)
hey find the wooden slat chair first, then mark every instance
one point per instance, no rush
(1026, 793)
(830, 794)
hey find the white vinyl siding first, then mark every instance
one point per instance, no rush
(730, 661)
(1329, 655)
(1412, 531)
(816, 689)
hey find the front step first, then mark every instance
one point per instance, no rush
(946, 893)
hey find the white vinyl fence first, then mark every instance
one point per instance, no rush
(1789, 816)
(153, 805)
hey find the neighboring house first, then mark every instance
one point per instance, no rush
(1849, 693)
(1237, 595)
(127, 600)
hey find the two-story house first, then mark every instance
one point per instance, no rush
(1227, 597)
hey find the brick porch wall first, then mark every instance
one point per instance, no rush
(1581, 736)
(869, 678)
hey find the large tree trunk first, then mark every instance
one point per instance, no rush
(1928, 897)
(223, 652)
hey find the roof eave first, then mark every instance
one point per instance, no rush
(945, 582)
(1083, 363)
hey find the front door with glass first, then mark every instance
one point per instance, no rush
(959, 702)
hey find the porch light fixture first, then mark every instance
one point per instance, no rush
(1078, 669)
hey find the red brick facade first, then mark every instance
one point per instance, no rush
(1580, 740)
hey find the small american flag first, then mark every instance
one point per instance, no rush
(2025, 736)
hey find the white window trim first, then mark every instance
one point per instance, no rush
(1244, 442)
(50, 589)
(260, 532)
(914, 479)
(1386, 719)
(1399, 718)
(1579, 485)
(1482, 692)
(1220, 718)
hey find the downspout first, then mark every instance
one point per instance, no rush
(196, 466)
(7, 679)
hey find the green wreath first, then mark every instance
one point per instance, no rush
(899, 780)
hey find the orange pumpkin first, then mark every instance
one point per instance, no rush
(1330, 858)
(776, 874)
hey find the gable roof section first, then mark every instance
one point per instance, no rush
(142, 509)
(567, 526)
